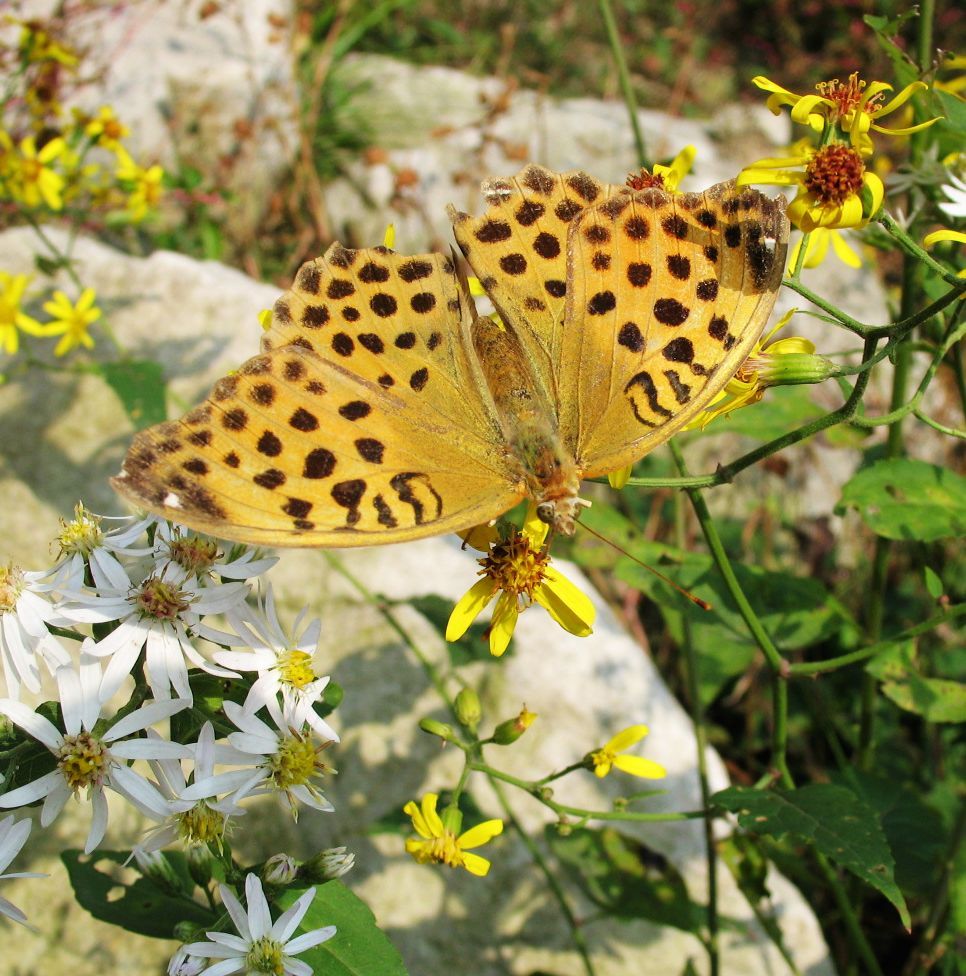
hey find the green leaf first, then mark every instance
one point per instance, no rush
(142, 907)
(933, 583)
(625, 878)
(935, 699)
(905, 499)
(358, 948)
(139, 384)
(832, 818)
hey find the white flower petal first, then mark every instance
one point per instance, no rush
(32, 723)
(289, 920)
(148, 714)
(234, 908)
(98, 820)
(259, 916)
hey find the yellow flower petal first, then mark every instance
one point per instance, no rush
(568, 605)
(626, 738)
(477, 865)
(480, 834)
(638, 766)
(503, 622)
(430, 815)
(619, 478)
(469, 607)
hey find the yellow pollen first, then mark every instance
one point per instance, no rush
(11, 586)
(834, 174)
(201, 824)
(295, 668)
(515, 566)
(161, 600)
(293, 764)
(265, 956)
(82, 760)
(82, 535)
(193, 553)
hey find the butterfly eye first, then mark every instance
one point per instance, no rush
(546, 512)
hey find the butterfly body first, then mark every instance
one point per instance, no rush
(383, 408)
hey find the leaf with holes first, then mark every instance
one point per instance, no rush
(832, 818)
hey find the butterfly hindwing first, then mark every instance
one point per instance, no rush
(668, 294)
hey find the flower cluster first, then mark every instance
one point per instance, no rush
(134, 600)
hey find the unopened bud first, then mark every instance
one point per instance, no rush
(327, 865)
(511, 730)
(157, 867)
(468, 708)
(430, 725)
(792, 368)
(280, 869)
(199, 864)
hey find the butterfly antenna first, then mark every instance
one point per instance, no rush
(696, 600)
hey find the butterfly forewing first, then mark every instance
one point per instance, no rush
(668, 293)
(364, 420)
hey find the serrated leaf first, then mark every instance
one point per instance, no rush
(359, 947)
(625, 878)
(832, 818)
(142, 907)
(139, 385)
(905, 499)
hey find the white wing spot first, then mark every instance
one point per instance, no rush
(171, 500)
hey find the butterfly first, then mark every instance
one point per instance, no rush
(383, 408)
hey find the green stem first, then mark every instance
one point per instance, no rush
(556, 889)
(692, 667)
(913, 250)
(624, 77)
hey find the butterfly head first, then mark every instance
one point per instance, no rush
(562, 513)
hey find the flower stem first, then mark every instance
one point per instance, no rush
(623, 75)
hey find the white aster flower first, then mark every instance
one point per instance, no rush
(25, 617)
(12, 838)
(161, 613)
(286, 760)
(955, 190)
(284, 663)
(90, 761)
(203, 557)
(86, 547)
(261, 946)
(183, 964)
(192, 822)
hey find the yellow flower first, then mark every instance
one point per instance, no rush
(12, 318)
(945, 235)
(603, 760)
(816, 249)
(34, 182)
(666, 177)
(957, 85)
(71, 321)
(789, 360)
(440, 843)
(146, 190)
(518, 568)
(834, 187)
(106, 129)
(37, 45)
(853, 107)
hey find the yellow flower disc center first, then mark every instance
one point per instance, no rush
(293, 764)
(295, 668)
(82, 760)
(193, 553)
(161, 600)
(11, 586)
(201, 824)
(82, 535)
(515, 566)
(834, 174)
(265, 956)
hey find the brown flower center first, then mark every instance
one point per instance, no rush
(161, 600)
(515, 566)
(645, 180)
(834, 174)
